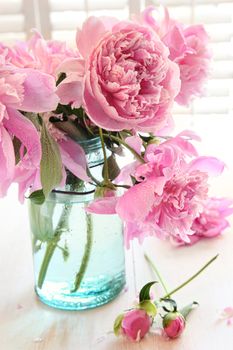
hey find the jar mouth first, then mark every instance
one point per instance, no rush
(90, 145)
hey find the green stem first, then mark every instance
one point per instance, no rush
(157, 273)
(117, 139)
(106, 174)
(86, 256)
(191, 278)
(97, 182)
(52, 244)
(123, 186)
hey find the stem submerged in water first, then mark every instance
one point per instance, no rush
(52, 244)
(86, 255)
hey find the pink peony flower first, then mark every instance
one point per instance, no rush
(40, 54)
(211, 222)
(51, 57)
(173, 324)
(136, 324)
(170, 193)
(188, 48)
(26, 90)
(130, 83)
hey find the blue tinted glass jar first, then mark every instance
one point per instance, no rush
(78, 257)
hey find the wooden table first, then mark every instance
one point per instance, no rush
(26, 324)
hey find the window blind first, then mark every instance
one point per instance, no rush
(58, 19)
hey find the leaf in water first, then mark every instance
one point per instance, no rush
(41, 220)
(145, 291)
(51, 164)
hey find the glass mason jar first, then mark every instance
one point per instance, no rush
(78, 257)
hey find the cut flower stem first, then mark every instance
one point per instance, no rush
(157, 273)
(86, 255)
(52, 244)
(121, 141)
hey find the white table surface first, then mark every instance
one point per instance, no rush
(26, 324)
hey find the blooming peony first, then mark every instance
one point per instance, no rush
(130, 83)
(27, 90)
(169, 194)
(188, 48)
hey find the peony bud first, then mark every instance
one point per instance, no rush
(136, 324)
(173, 324)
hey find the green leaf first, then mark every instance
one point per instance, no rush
(185, 311)
(149, 307)
(117, 324)
(51, 164)
(41, 220)
(35, 119)
(145, 291)
(37, 197)
(113, 168)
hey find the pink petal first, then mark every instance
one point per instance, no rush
(92, 32)
(136, 202)
(211, 165)
(26, 132)
(70, 92)
(97, 114)
(39, 92)
(134, 142)
(73, 157)
(126, 171)
(72, 65)
(106, 205)
(7, 161)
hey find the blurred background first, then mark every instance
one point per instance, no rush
(211, 116)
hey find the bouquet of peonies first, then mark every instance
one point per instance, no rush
(120, 84)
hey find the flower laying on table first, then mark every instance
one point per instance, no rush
(136, 322)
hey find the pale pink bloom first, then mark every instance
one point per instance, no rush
(173, 324)
(188, 47)
(52, 57)
(26, 90)
(171, 191)
(136, 324)
(227, 315)
(130, 83)
(211, 222)
(40, 54)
